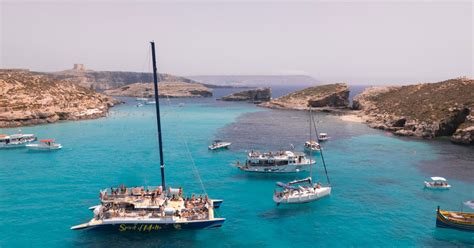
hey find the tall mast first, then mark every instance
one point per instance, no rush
(311, 149)
(158, 120)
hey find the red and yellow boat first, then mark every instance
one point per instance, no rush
(455, 220)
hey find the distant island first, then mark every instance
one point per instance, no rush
(254, 80)
(105, 80)
(133, 84)
(425, 110)
(166, 89)
(31, 98)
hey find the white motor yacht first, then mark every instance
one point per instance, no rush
(45, 145)
(323, 137)
(312, 146)
(219, 144)
(16, 140)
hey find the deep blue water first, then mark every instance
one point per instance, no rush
(377, 200)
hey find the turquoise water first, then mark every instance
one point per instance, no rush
(377, 200)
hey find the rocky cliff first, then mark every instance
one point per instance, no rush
(253, 95)
(425, 110)
(327, 96)
(166, 89)
(29, 98)
(104, 80)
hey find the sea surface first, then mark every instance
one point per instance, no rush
(377, 197)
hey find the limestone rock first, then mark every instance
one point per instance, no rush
(253, 95)
(165, 89)
(425, 110)
(322, 96)
(31, 98)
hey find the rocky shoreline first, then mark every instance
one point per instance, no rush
(32, 98)
(425, 110)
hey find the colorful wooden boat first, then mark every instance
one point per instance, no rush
(455, 220)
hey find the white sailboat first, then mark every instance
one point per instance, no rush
(303, 190)
(151, 209)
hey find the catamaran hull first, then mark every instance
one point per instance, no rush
(304, 198)
(147, 227)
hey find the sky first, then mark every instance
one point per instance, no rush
(385, 42)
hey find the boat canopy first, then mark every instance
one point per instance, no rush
(469, 203)
(47, 140)
(438, 178)
(285, 186)
(306, 180)
(323, 134)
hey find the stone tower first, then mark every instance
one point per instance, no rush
(79, 67)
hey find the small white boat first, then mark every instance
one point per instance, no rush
(312, 146)
(437, 183)
(141, 99)
(45, 145)
(219, 144)
(150, 102)
(16, 140)
(139, 105)
(323, 137)
(180, 105)
(300, 191)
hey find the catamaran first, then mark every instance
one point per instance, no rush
(45, 145)
(276, 162)
(148, 209)
(302, 190)
(16, 140)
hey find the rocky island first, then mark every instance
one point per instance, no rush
(253, 95)
(425, 110)
(134, 84)
(30, 98)
(323, 97)
(166, 89)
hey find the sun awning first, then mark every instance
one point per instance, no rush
(47, 140)
(438, 178)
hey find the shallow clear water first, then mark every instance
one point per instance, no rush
(377, 200)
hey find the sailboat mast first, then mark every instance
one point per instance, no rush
(311, 149)
(158, 119)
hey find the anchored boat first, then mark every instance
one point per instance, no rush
(16, 140)
(323, 137)
(147, 209)
(437, 183)
(303, 190)
(276, 162)
(45, 145)
(219, 144)
(456, 220)
(312, 145)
